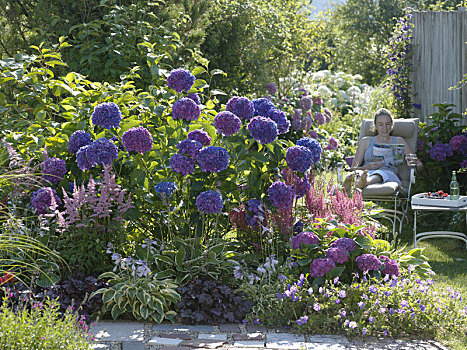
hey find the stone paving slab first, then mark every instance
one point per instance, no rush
(133, 345)
(183, 336)
(327, 339)
(248, 336)
(211, 336)
(118, 331)
(249, 344)
(229, 328)
(204, 343)
(324, 346)
(183, 328)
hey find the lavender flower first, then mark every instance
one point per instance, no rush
(53, 169)
(302, 320)
(391, 267)
(201, 136)
(82, 159)
(280, 118)
(195, 97)
(180, 80)
(213, 159)
(347, 244)
(299, 158)
(227, 123)
(209, 202)
(306, 102)
(281, 195)
(182, 164)
(367, 262)
(101, 152)
(320, 267)
(272, 88)
(137, 139)
(189, 147)
(107, 115)
(262, 106)
(165, 189)
(338, 255)
(241, 107)
(304, 237)
(440, 151)
(313, 145)
(185, 108)
(262, 129)
(45, 199)
(332, 144)
(77, 140)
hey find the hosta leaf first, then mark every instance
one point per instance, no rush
(144, 311)
(157, 317)
(108, 295)
(116, 311)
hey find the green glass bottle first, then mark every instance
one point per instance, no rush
(454, 187)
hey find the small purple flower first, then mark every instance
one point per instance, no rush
(189, 147)
(137, 140)
(281, 195)
(316, 307)
(180, 80)
(213, 159)
(272, 88)
(320, 267)
(404, 303)
(299, 158)
(332, 144)
(82, 159)
(107, 115)
(280, 118)
(77, 140)
(304, 237)
(440, 151)
(53, 169)
(209, 202)
(302, 320)
(337, 254)
(44, 199)
(364, 331)
(201, 136)
(227, 123)
(306, 102)
(185, 108)
(262, 106)
(165, 189)
(347, 244)
(241, 107)
(101, 152)
(367, 262)
(182, 164)
(313, 145)
(262, 129)
(195, 97)
(353, 324)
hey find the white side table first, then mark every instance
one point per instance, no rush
(437, 234)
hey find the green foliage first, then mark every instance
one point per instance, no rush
(37, 325)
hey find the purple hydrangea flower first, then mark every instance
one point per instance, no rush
(347, 244)
(327, 115)
(180, 80)
(320, 267)
(391, 267)
(272, 88)
(332, 144)
(302, 91)
(317, 101)
(368, 262)
(182, 164)
(281, 195)
(189, 147)
(280, 118)
(306, 102)
(44, 199)
(301, 186)
(201, 136)
(82, 159)
(101, 152)
(209, 202)
(185, 108)
(440, 151)
(137, 139)
(319, 118)
(77, 140)
(313, 145)
(262, 106)
(262, 129)
(304, 237)
(53, 169)
(337, 254)
(457, 141)
(107, 115)
(463, 165)
(241, 107)
(195, 97)
(165, 189)
(313, 134)
(299, 158)
(213, 159)
(227, 123)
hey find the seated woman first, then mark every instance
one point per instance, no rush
(376, 171)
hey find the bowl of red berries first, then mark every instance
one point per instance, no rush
(437, 195)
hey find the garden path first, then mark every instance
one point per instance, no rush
(147, 336)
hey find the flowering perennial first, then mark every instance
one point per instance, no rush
(180, 80)
(441, 151)
(304, 237)
(241, 107)
(281, 195)
(137, 139)
(185, 108)
(263, 130)
(77, 140)
(280, 118)
(213, 159)
(53, 169)
(182, 164)
(299, 158)
(101, 152)
(165, 189)
(391, 267)
(201, 136)
(82, 159)
(195, 97)
(313, 145)
(227, 123)
(262, 106)
(347, 244)
(320, 267)
(272, 88)
(306, 103)
(107, 115)
(338, 255)
(189, 147)
(332, 144)
(209, 202)
(45, 199)
(368, 262)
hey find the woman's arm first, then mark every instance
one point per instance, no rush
(408, 150)
(359, 155)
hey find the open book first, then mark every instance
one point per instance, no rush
(391, 154)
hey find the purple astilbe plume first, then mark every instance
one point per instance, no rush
(368, 262)
(209, 202)
(281, 195)
(280, 118)
(77, 140)
(101, 152)
(201, 136)
(45, 200)
(82, 159)
(241, 107)
(189, 147)
(182, 164)
(299, 158)
(347, 244)
(195, 97)
(338, 255)
(441, 151)
(137, 140)
(304, 237)
(348, 210)
(185, 108)
(313, 145)
(107, 115)
(262, 106)
(180, 80)
(227, 123)
(213, 159)
(320, 267)
(391, 267)
(53, 169)
(263, 130)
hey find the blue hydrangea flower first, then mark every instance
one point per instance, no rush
(107, 115)
(82, 159)
(313, 145)
(262, 106)
(209, 202)
(227, 123)
(299, 158)
(165, 189)
(262, 129)
(201, 136)
(137, 140)
(180, 80)
(280, 118)
(53, 169)
(77, 140)
(281, 195)
(213, 159)
(101, 152)
(195, 97)
(241, 107)
(182, 164)
(43, 200)
(185, 108)
(189, 147)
